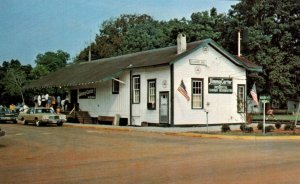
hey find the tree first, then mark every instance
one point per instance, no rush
(38, 71)
(14, 81)
(52, 60)
(125, 34)
(133, 33)
(206, 25)
(273, 42)
(144, 36)
(13, 77)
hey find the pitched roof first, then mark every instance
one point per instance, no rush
(104, 69)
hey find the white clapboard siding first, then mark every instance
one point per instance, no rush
(222, 107)
(140, 111)
(106, 103)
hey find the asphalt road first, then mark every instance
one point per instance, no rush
(57, 155)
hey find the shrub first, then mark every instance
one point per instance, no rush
(246, 129)
(269, 128)
(278, 125)
(289, 127)
(225, 128)
(260, 126)
(243, 127)
(249, 129)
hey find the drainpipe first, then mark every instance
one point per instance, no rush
(172, 94)
(130, 99)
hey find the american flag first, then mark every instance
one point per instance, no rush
(183, 91)
(254, 94)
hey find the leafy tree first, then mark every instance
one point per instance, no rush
(174, 27)
(125, 34)
(13, 78)
(273, 42)
(206, 25)
(132, 33)
(52, 60)
(14, 81)
(144, 36)
(38, 71)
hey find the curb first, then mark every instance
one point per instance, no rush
(186, 134)
(236, 137)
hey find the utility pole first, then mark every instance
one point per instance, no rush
(90, 53)
(90, 48)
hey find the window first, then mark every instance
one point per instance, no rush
(115, 86)
(197, 93)
(151, 103)
(241, 98)
(136, 85)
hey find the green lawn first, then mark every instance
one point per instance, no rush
(258, 117)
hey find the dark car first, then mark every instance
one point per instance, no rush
(2, 133)
(7, 116)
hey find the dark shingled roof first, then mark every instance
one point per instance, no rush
(104, 69)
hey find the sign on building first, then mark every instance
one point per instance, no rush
(87, 93)
(219, 85)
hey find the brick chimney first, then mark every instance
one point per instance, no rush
(181, 43)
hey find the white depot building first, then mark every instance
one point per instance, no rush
(177, 85)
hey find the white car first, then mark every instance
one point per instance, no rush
(40, 116)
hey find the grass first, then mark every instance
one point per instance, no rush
(259, 117)
(256, 132)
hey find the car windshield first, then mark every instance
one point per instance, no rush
(43, 111)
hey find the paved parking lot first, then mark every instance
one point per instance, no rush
(32, 154)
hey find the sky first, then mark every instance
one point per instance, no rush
(32, 27)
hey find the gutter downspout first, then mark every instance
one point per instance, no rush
(130, 99)
(172, 94)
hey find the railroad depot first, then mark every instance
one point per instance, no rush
(195, 83)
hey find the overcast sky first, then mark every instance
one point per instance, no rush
(30, 27)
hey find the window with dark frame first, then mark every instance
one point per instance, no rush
(151, 100)
(115, 86)
(197, 93)
(136, 85)
(241, 98)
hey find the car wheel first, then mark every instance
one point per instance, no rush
(23, 121)
(59, 123)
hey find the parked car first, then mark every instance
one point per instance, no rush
(41, 116)
(2, 133)
(6, 115)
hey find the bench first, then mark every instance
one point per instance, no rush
(106, 119)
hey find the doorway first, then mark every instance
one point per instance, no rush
(74, 100)
(164, 107)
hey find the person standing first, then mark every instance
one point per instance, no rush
(53, 102)
(39, 100)
(35, 100)
(12, 107)
(43, 101)
(66, 103)
(58, 101)
(46, 99)
(49, 101)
